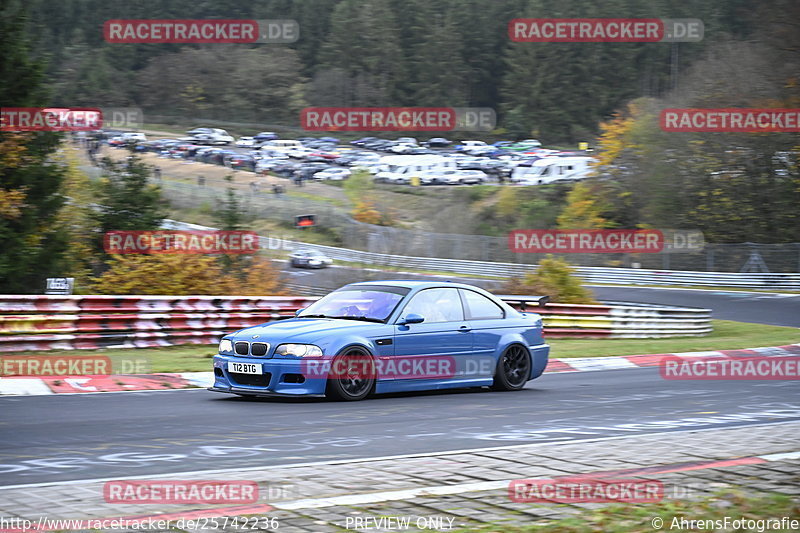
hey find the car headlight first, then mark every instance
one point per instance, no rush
(299, 350)
(225, 345)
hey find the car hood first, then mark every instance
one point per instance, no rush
(307, 330)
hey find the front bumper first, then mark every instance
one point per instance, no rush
(280, 377)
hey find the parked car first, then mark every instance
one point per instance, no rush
(438, 142)
(241, 161)
(265, 136)
(495, 168)
(267, 164)
(298, 152)
(307, 170)
(403, 148)
(309, 259)
(485, 151)
(401, 168)
(527, 144)
(209, 136)
(285, 168)
(325, 156)
(246, 142)
(468, 146)
(379, 145)
(364, 140)
(133, 137)
(365, 338)
(471, 163)
(453, 177)
(551, 169)
(347, 159)
(333, 174)
(284, 144)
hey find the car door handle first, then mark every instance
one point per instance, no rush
(464, 329)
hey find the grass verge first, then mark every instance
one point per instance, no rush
(667, 516)
(726, 335)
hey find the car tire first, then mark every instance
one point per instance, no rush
(513, 369)
(357, 379)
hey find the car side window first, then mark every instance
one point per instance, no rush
(436, 305)
(479, 307)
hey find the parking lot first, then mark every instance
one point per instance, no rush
(436, 161)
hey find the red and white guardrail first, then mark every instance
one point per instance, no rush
(33, 323)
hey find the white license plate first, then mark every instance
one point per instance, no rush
(244, 368)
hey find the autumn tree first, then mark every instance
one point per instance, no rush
(76, 219)
(555, 278)
(33, 245)
(585, 208)
(126, 201)
(230, 217)
(185, 274)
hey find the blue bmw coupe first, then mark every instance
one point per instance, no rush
(383, 337)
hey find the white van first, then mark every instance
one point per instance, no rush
(401, 168)
(133, 137)
(551, 169)
(210, 136)
(283, 145)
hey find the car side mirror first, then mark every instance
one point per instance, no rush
(412, 318)
(299, 311)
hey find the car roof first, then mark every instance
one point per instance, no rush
(415, 284)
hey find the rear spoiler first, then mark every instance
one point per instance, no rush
(521, 301)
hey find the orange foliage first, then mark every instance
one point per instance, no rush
(185, 274)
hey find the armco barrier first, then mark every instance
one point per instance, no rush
(88, 322)
(605, 275)
(31, 323)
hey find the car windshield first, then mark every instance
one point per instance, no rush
(370, 303)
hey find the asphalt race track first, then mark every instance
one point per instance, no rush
(85, 436)
(759, 308)
(114, 435)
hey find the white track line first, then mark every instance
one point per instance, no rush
(389, 495)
